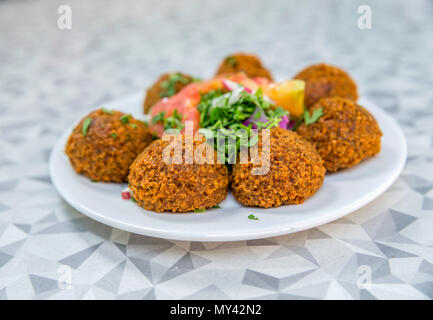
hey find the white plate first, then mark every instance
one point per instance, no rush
(341, 194)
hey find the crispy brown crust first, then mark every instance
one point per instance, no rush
(296, 172)
(323, 81)
(102, 157)
(344, 135)
(247, 63)
(160, 187)
(153, 94)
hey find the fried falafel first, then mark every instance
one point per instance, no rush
(344, 135)
(105, 143)
(160, 186)
(167, 85)
(325, 81)
(295, 173)
(247, 63)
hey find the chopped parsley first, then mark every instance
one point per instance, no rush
(107, 111)
(132, 125)
(159, 117)
(172, 122)
(252, 217)
(216, 207)
(125, 118)
(225, 113)
(169, 86)
(133, 199)
(199, 210)
(113, 135)
(86, 125)
(309, 119)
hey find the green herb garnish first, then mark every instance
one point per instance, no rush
(224, 113)
(199, 210)
(216, 207)
(172, 122)
(159, 117)
(231, 61)
(86, 125)
(133, 199)
(132, 125)
(252, 217)
(309, 119)
(169, 86)
(107, 111)
(113, 135)
(143, 122)
(125, 118)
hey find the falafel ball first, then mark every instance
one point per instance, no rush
(105, 143)
(325, 81)
(295, 173)
(167, 85)
(344, 135)
(159, 185)
(241, 62)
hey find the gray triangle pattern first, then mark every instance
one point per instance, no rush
(391, 252)
(111, 281)
(261, 280)
(427, 204)
(401, 220)
(12, 248)
(185, 264)
(42, 284)
(75, 260)
(4, 258)
(426, 288)
(144, 266)
(210, 292)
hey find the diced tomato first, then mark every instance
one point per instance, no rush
(126, 194)
(187, 100)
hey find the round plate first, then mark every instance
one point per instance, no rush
(341, 194)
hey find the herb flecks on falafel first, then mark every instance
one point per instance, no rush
(344, 135)
(166, 86)
(102, 147)
(249, 64)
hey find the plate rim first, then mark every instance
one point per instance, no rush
(267, 231)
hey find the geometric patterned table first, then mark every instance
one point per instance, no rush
(48, 76)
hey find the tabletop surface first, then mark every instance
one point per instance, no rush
(49, 75)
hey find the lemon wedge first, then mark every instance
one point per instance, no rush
(288, 94)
